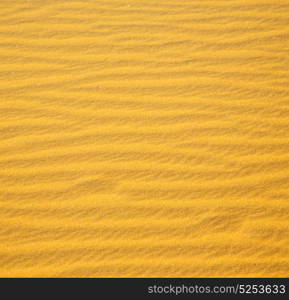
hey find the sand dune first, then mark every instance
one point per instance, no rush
(144, 138)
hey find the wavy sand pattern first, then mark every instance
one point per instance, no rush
(144, 138)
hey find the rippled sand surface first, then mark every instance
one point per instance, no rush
(143, 138)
